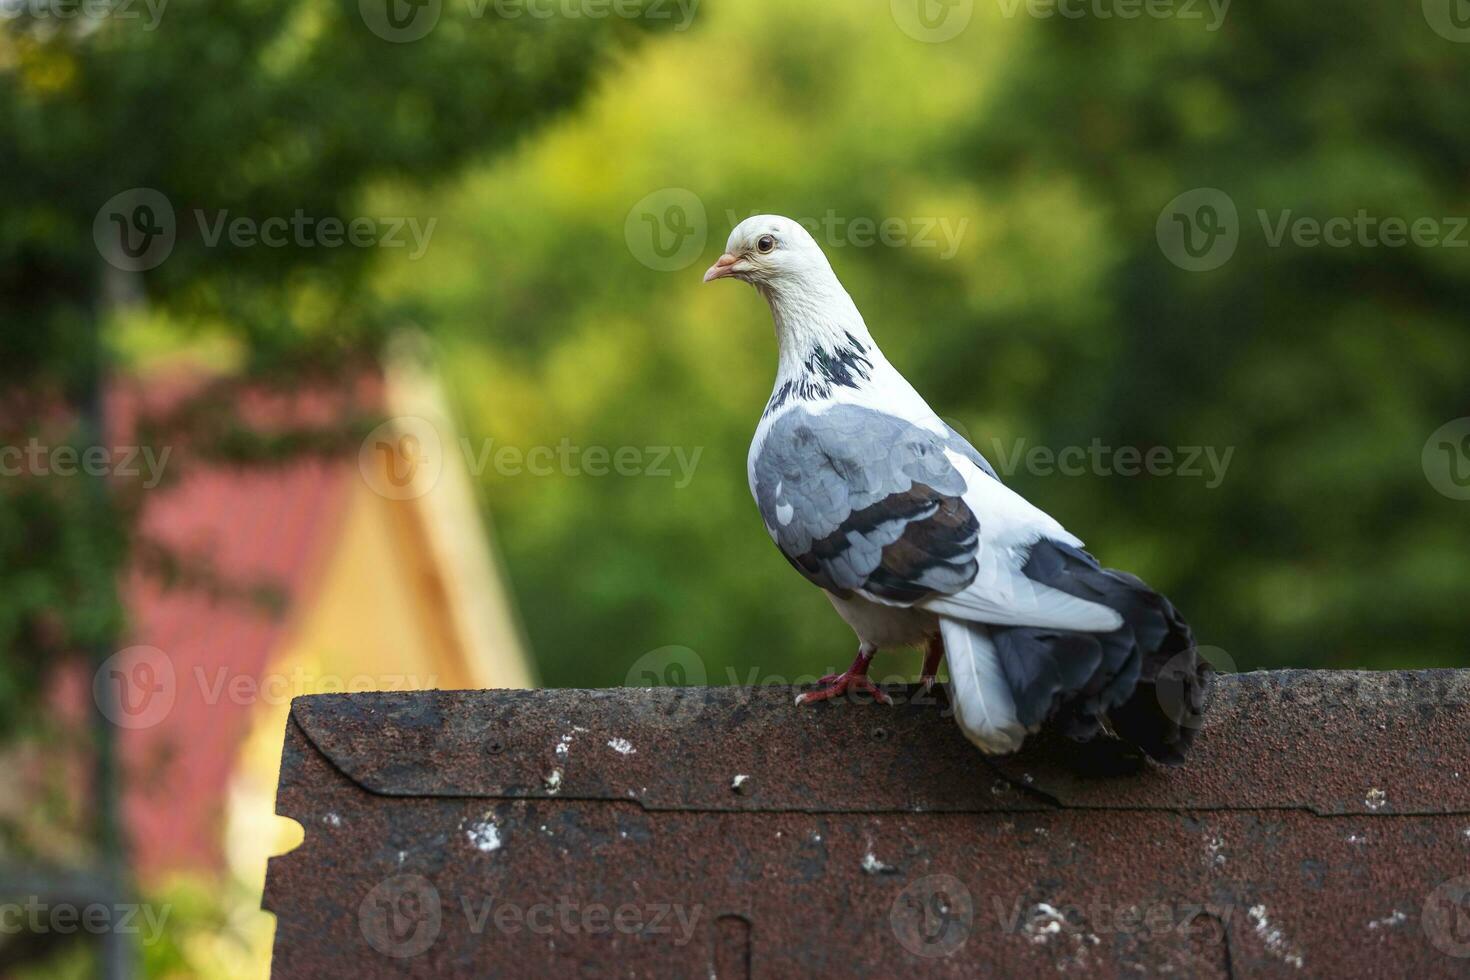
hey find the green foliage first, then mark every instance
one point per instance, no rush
(1059, 321)
(262, 109)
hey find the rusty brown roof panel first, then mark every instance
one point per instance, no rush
(1267, 738)
(1321, 827)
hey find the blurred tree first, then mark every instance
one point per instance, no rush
(1324, 363)
(135, 125)
(1048, 148)
(132, 136)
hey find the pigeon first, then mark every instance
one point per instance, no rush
(917, 542)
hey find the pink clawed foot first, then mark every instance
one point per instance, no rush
(855, 679)
(933, 653)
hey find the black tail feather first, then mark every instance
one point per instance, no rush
(1144, 680)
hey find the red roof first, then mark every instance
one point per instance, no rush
(254, 526)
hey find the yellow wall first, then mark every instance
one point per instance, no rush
(381, 617)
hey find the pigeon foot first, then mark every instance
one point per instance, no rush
(840, 685)
(933, 653)
(854, 679)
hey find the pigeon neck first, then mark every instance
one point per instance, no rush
(819, 330)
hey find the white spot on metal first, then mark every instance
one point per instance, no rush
(621, 745)
(1276, 941)
(484, 835)
(1395, 918)
(873, 866)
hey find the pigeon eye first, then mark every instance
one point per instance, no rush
(765, 244)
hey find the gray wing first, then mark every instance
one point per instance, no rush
(858, 500)
(959, 444)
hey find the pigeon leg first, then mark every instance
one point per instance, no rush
(933, 653)
(856, 678)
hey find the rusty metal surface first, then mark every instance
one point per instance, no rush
(1321, 825)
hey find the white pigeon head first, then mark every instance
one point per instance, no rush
(772, 252)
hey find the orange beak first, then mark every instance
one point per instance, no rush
(723, 268)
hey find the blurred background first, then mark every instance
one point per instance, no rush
(355, 346)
